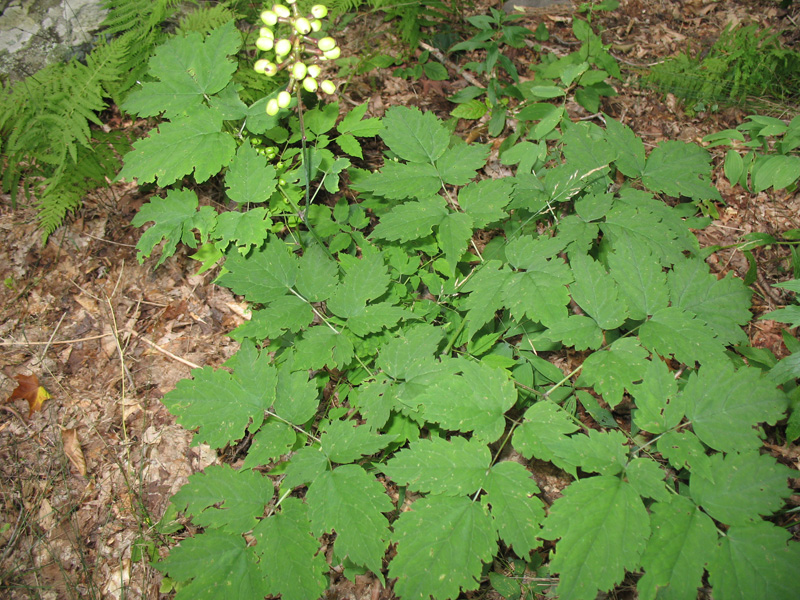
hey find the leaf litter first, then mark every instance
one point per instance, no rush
(91, 470)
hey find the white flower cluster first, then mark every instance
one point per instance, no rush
(289, 51)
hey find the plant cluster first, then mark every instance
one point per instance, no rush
(744, 67)
(394, 385)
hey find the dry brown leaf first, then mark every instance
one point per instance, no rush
(28, 388)
(72, 448)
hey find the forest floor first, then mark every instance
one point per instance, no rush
(85, 477)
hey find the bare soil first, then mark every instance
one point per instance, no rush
(89, 474)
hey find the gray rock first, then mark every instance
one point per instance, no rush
(36, 33)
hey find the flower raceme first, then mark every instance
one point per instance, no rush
(297, 53)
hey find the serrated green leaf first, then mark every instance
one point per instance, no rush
(412, 220)
(540, 293)
(597, 452)
(603, 527)
(485, 200)
(646, 229)
(220, 404)
(350, 145)
(724, 405)
(742, 487)
(723, 304)
(683, 449)
(647, 478)
(322, 118)
(441, 545)
(452, 468)
(596, 292)
(683, 539)
(486, 294)
(642, 283)
(473, 109)
(296, 397)
(263, 276)
(246, 230)
(291, 563)
(398, 181)
(629, 148)
(317, 275)
(217, 566)
(755, 561)
(286, 313)
(544, 429)
(516, 512)
(659, 408)
(349, 501)
(374, 401)
(375, 317)
(249, 177)
(615, 370)
(579, 331)
(175, 217)
(675, 332)
(225, 499)
(585, 147)
(355, 124)
(306, 465)
(319, 346)
(474, 401)
(190, 68)
(413, 135)
(344, 443)
(454, 233)
(680, 169)
(460, 162)
(190, 144)
(366, 280)
(271, 441)
(410, 352)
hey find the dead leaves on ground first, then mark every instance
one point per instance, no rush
(28, 388)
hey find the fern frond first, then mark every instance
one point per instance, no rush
(205, 19)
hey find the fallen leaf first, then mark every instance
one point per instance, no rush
(72, 448)
(28, 388)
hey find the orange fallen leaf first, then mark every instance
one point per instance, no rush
(30, 390)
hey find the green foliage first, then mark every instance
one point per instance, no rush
(744, 67)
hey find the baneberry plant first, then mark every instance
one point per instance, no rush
(395, 390)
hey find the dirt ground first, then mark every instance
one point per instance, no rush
(88, 475)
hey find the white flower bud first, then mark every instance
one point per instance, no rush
(326, 44)
(260, 66)
(333, 54)
(266, 32)
(264, 43)
(319, 11)
(316, 25)
(310, 84)
(314, 71)
(299, 70)
(328, 86)
(269, 18)
(290, 1)
(282, 11)
(284, 99)
(302, 26)
(272, 107)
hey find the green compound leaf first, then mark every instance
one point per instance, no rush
(486, 200)
(628, 147)
(460, 163)
(354, 123)
(452, 468)
(724, 405)
(296, 396)
(410, 352)
(441, 545)
(741, 487)
(317, 275)
(263, 276)
(603, 527)
(683, 449)
(644, 228)
(455, 231)
(220, 404)
(476, 400)
(603, 453)
(246, 230)
(540, 293)
(683, 539)
(306, 465)
(344, 443)
(486, 294)
(659, 408)
(596, 292)
(365, 280)
(225, 499)
(271, 441)
(375, 317)
(680, 169)
(320, 346)
(647, 478)
(398, 181)
(286, 313)
(291, 563)
(414, 136)
(190, 144)
(642, 283)
(349, 501)
(412, 220)
(543, 431)
(190, 68)
(674, 332)
(723, 304)
(516, 512)
(250, 178)
(229, 568)
(176, 217)
(755, 561)
(612, 372)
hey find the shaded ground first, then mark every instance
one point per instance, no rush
(84, 478)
